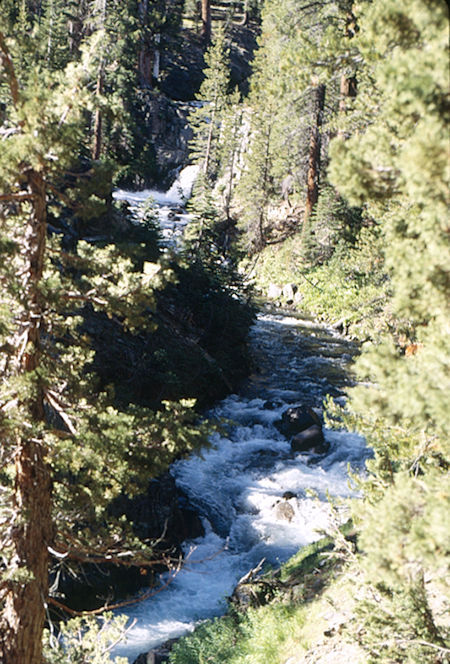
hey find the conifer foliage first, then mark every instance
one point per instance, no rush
(206, 119)
(66, 450)
(304, 51)
(398, 167)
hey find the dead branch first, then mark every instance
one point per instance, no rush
(56, 403)
(122, 604)
(17, 197)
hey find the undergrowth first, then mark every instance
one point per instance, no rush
(352, 286)
(266, 634)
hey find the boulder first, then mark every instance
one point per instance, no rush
(162, 512)
(289, 291)
(297, 419)
(310, 439)
(284, 511)
(158, 655)
(254, 590)
(274, 292)
(272, 404)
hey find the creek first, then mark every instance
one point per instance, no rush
(239, 483)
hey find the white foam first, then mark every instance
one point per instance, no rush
(178, 194)
(255, 494)
(240, 482)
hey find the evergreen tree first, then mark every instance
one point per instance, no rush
(206, 20)
(398, 167)
(202, 237)
(255, 185)
(230, 147)
(303, 53)
(206, 119)
(60, 439)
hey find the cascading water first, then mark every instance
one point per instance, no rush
(253, 493)
(172, 216)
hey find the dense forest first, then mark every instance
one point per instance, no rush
(320, 132)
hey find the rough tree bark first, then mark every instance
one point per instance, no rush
(246, 13)
(24, 595)
(312, 191)
(145, 63)
(234, 149)
(206, 21)
(98, 118)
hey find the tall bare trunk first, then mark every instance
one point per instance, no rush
(348, 86)
(237, 119)
(312, 191)
(246, 13)
(145, 63)
(98, 118)
(209, 141)
(157, 58)
(206, 21)
(348, 90)
(25, 594)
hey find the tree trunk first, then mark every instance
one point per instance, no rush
(259, 238)
(312, 192)
(206, 21)
(246, 13)
(348, 87)
(98, 118)
(237, 121)
(210, 138)
(348, 90)
(156, 59)
(24, 596)
(145, 63)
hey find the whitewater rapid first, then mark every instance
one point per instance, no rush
(239, 483)
(169, 205)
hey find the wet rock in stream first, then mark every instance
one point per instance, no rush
(297, 419)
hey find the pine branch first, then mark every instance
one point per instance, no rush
(121, 637)
(62, 197)
(19, 197)
(58, 405)
(84, 298)
(79, 552)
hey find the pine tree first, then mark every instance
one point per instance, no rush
(255, 184)
(206, 20)
(397, 166)
(202, 237)
(54, 33)
(60, 438)
(212, 97)
(230, 147)
(303, 54)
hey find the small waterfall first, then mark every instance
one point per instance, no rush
(172, 216)
(177, 195)
(181, 189)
